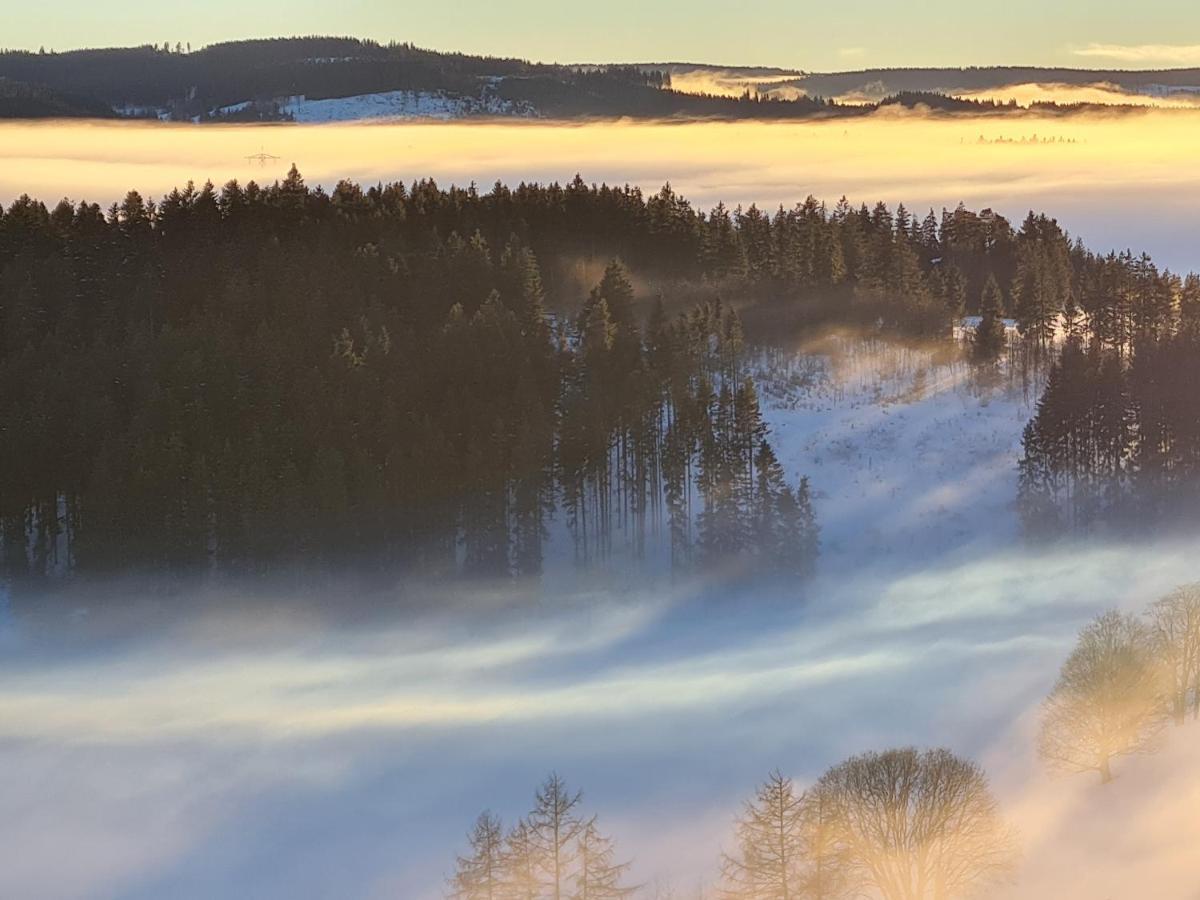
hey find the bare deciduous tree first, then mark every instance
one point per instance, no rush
(521, 881)
(912, 825)
(1107, 701)
(769, 861)
(551, 854)
(554, 826)
(597, 876)
(825, 877)
(1175, 631)
(480, 874)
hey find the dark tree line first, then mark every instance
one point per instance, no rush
(1116, 438)
(240, 377)
(193, 84)
(258, 376)
(19, 100)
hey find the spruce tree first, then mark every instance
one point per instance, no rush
(989, 337)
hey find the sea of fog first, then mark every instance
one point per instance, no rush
(1120, 181)
(253, 741)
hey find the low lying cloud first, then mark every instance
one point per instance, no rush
(1143, 54)
(1122, 180)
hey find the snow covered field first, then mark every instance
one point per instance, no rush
(276, 751)
(432, 105)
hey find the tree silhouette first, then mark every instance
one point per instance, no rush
(597, 876)
(769, 861)
(554, 828)
(1106, 703)
(912, 824)
(1175, 633)
(480, 874)
(989, 337)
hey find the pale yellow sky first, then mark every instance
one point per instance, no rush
(791, 33)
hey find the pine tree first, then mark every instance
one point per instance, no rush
(769, 487)
(990, 336)
(799, 541)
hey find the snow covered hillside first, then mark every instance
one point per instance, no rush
(400, 105)
(381, 106)
(911, 453)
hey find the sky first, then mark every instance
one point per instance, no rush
(787, 33)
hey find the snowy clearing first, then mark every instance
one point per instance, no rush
(398, 105)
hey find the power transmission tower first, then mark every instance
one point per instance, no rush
(261, 157)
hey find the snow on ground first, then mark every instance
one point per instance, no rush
(399, 105)
(233, 108)
(143, 112)
(908, 455)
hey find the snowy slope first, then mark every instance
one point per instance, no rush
(911, 454)
(908, 454)
(399, 105)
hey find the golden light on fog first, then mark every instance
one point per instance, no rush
(1119, 180)
(895, 155)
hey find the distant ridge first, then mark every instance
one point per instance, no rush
(300, 79)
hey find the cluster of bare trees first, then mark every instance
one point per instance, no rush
(1126, 679)
(553, 853)
(900, 825)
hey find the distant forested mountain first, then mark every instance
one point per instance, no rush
(254, 79)
(271, 79)
(885, 82)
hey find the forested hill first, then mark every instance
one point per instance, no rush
(282, 78)
(19, 100)
(417, 376)
(885, 82)
(257, 79)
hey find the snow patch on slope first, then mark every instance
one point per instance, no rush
(911, 453)
(131, 111)
(400, 105)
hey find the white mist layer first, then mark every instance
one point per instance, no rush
(281, 750)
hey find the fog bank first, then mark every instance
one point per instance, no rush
(1124, 180)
